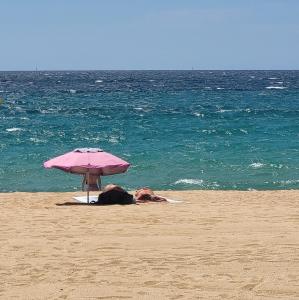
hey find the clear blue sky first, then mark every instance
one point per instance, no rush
(149, 34)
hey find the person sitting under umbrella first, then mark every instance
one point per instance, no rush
(91, 183)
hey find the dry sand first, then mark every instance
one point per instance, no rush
(215, 245)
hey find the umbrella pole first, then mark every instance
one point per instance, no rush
(100, 183)
(88, 187)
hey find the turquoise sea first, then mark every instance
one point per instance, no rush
(179, 129)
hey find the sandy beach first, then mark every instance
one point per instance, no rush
(214, 245)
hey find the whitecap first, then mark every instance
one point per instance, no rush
(287, 182)
(208, 131)
(98, 81)
(36, 140)
(18, 108)
(273, 78)
(279, 166)
(13, 129)
(244, 131)
(198, 114)
(220, 88)
(257, 165)
(72, 91)
(199, 182)
(113, 140)
(224, 110)
(44, 111)
(190, 181)
(275, 87)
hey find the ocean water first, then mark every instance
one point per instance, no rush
(234, 130)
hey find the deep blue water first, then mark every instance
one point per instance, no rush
(178, 129)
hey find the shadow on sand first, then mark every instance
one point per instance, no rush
(76, 203)
(90, 204)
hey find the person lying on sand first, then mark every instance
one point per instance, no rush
(114, 194)
(112, 186)
(145, 194)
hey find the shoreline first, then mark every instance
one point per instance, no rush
(156, 191)
(214, 245)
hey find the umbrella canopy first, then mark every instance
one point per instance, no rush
(88, 160)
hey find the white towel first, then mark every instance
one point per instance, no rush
(92, 199)
(83, 199)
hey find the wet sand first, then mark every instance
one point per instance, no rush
(214, 245)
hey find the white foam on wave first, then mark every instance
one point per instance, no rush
(220, 88)
(199, 182)
(273, 87)
(224, 110)
(278, 166)
(18, 108)
(36, 140)
(98, 81)
(287, 182)
(73, 91)
(14, 129)
(208, 131)
(257, 165)
(244, 131)
(190, 181)
(198, 114)
(113, 140)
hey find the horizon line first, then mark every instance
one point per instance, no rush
(134, 70)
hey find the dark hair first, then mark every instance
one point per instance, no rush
(115, 197)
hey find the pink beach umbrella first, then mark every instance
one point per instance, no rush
(88, 162)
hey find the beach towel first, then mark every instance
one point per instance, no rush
(93, 199)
